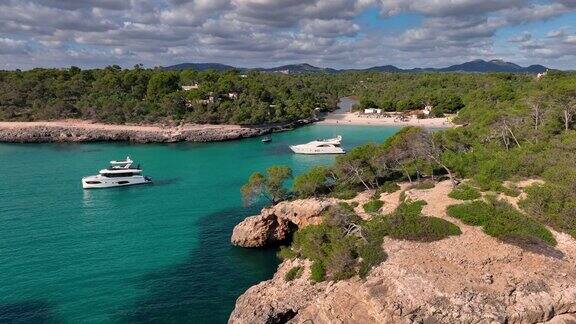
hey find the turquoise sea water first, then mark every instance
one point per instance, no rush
(153, 253)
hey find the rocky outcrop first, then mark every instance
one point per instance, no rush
(83, 131)
(42, 134)
(470, 278)
(277, 300)
(275, 224)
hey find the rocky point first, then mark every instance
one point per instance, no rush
(470, 278)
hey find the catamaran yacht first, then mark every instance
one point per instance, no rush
(326, 146)
(118, 174)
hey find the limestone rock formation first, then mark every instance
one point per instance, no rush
(86, 131)
(276, 223)
(277, 300)
(470, 278)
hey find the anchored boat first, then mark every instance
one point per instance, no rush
(325, 146)
(118, 174)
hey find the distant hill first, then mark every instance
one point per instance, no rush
(476, 66)
(299, 68)
(200, 66)
(384, 68)
(492, 66)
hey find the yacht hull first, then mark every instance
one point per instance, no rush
(316, 150)
(95, 182)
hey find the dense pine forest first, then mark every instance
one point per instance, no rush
(138, 95)
(115, 95)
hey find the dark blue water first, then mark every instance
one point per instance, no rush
(154, 253)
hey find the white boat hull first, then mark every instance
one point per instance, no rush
(94, 182)
(303, 149)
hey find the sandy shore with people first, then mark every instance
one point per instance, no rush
(368, 120)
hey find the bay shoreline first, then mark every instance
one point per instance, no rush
(80, 130)
(75, 130)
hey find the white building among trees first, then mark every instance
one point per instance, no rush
(372, 111)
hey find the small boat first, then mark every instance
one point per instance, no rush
(266, 139)
(320, 146)
(118, 174)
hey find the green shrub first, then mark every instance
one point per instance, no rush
(329, 246)
(333, 249)
(311, 242)
(407, 223)
(286, 253)
(339, 216)
(344, 193)
(425, 185)
(346, 206)
(388, 187)
(372, 255)
(510, 192)
(464, 192)
(552, 204)
(317, 271)
(475, 213)
(373, 206)
(312, 182)
(503, 221)
(341, 262)
(293, 273)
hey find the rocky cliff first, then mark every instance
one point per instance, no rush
(470, 278)
(276, 223)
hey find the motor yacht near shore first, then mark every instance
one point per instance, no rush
(324, 146)
(118, 174)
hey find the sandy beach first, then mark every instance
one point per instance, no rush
(354, 119)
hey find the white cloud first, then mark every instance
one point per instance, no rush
(270, 32)
(447, 7)
(329, 28)
(12, 46)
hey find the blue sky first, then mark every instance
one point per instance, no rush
(250, 33)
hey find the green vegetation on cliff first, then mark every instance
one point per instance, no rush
(408, 223)
(464, 192)
(512, 127)
(373, 206)
(344, 245)
(503, 221)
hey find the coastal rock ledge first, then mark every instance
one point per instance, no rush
(87, 131)
(275, 224)
(469, 278)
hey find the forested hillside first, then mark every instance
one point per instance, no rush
(115, 95)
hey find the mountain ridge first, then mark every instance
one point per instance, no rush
(474, 66)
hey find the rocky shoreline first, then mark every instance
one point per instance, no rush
(85, 131)
(469, 278)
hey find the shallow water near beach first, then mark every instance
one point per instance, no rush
(153, 253)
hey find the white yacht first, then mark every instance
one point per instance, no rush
(326, 146)
(118, 174)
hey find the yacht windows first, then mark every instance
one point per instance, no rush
(118, 175)
(93, 182)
